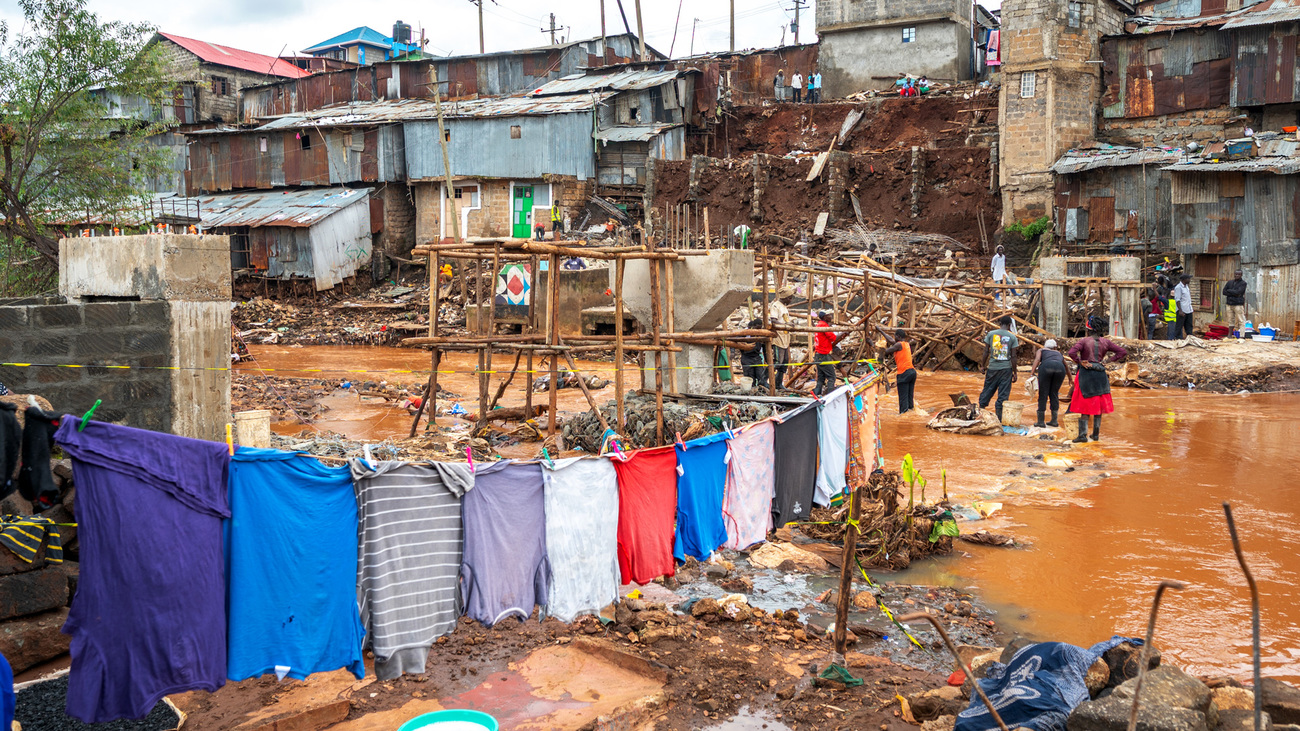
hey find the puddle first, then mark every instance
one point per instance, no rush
(747, 720)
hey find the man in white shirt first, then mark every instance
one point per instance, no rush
(796, 84)
(1183, 297)
(999, 269)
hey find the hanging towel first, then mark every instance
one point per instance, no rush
(581, 536)
(862, 437)
(747, 504)
(833, 442)
(35, 481)
(11, 440)
(504, 570)
(795, 465)
(291, 550)
(701, 482)
(24, 536)
(647, 506)
(149, 617)
(410, 537)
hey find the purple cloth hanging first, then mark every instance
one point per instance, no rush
(505, 570)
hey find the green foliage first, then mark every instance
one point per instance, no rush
(1030, 230)
(80, 99)
(23, 272)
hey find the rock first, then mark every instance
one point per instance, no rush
(931, 704)
(970, 652)
(1282, 701)
(773, 555)
(704, 606)
(683, 576)
(72, 570)
(1014, 646)
(10, 563)
(739, 585)
(636, 605)
(708, 705)
(67, 531)
(1123, 661)
(1098, 676)
(1171, 701)
(32, 592)
(1233, 699)
(942, 723)
(15, 504)
(651, 635)
(735, 607)
(714, 571)
(622, 613)
(30, 641)
(864, 600)
(1240, 719)
(979, 663)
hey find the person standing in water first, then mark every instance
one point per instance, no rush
(1091, 394)
(1049, 366)
(905, 378)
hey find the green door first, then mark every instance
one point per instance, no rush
(523, 212)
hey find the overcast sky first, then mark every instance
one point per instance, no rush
(451, 26)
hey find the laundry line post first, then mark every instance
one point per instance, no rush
(530, 327)
(552, 338)
(618, 345)
(848, 562)
(655, 333)
(672, 324)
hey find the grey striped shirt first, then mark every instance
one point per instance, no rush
(409, 547)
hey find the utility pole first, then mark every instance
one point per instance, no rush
(798, 4)
(733, 25)
(481, 47)
(693, 24)
(604, 39)
(640, 29)
(552, 29)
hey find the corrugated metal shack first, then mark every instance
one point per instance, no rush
(744, 78)
(479, 75)
(1231, 214)
(297, 151)
(321, 235)
(1109, 195)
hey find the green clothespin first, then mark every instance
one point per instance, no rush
(86, 418)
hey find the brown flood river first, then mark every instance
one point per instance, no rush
(1099, 527)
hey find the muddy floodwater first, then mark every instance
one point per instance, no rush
(1140, 506)
(1100, 524)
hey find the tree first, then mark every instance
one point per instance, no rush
(79, 99)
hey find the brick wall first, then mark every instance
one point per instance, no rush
(181, 65)
(493, 217)
(104, 333)
(1202, 125)
(398, 235)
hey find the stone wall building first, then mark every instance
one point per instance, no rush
(1051, 92)
(866, 44)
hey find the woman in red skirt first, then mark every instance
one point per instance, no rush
(1091, 393)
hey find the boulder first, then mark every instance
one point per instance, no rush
(33, 592)
(1238, 719)
(1014, 646)
(10, 563)
(30, 641)
(1171, 701)
(931, 704)
(1123, 661)
(704, 606)
(1098, 675)
(1282, 701)
(773, 555)
(1229, 698)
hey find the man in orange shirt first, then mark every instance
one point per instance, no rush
(906, 374)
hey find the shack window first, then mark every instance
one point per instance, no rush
(1203, 292)
(261, 144)
(1028, 82)
(446, 135)
(468, 193)
(909, 34)
(304, 140)
(516, 132)
(1075, 14)
(220, 86)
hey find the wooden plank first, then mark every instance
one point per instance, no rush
(818, 163)
(820, 228)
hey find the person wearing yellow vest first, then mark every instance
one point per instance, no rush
(557, 221)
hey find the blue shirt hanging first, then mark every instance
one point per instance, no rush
(701, 482)
(291, 557)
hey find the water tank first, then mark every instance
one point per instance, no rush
(401, 32)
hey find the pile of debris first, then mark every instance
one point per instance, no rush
(690, 419)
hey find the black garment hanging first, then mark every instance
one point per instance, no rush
(11, 438)
(35, 481)
(794, 466)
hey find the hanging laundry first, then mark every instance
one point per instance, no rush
(833, 444)
(701, 482)
(647, 506)
(504, 569)
(581, 536)
(862, 436)
(24, 536)
(747, 504)
(149, 617)
(11, 439)
(411, 537)
(35, 481)
(291, 551)
(795, 465)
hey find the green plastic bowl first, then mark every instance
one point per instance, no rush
(464, 721)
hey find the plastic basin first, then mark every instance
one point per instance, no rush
(453, 720)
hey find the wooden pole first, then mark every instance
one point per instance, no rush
(672, 325)
(618, 344)
(435, 360)
(847, 566)
(656, 327)
(640, 30)
(448, 190)
(582, 382)
(707, 233)
(531, 328)
(553, 336)
(483, 357)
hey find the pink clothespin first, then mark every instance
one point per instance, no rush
(469, 454)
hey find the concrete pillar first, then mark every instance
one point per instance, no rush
(1055, 296)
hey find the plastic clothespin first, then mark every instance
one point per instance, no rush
(547, 456)
(469, 453)
(230, 438)
(86, 418)
(677, 439)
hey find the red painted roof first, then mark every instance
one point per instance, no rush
(235, 58)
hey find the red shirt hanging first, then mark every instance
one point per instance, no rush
(647, 509)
